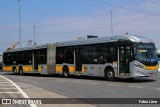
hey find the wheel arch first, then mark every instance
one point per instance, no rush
(109, 73)
(14, 67)
(66, 72)
(20, 67)
(65, 66)
(106, 68)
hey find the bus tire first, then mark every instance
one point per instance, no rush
(109, 74)
(20, 71)
(14, 70)
(66, 72)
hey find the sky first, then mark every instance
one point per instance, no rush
(64, 20)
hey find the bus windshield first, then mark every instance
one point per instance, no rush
(147, 55)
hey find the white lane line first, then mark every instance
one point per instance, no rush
(20, 90)
(10, 92)
(7, 88)
(112, 85)
(135, 87)
(5, 83)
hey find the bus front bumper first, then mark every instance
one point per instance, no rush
(145, 73)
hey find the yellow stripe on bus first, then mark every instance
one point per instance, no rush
(40, 69)
(83, 70)
(27, 68)
(7, 68)
(151, 67)
(60, 68)
(30, 68)
(71, 69)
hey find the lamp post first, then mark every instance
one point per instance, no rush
(19, 23)
(34, 35)
(111, 24)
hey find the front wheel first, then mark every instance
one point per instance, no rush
(109, 74)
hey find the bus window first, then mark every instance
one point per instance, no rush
(9, 59)
(60, 55)
(69, 56)
(42, 56)
(87, 55)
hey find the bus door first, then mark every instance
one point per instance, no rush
(124, 60)
(78, 59)
(35, 61)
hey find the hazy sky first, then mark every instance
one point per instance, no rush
(61, 20)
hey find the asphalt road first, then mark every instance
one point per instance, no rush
(91, 87)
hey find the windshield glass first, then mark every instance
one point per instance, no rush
(146, 54)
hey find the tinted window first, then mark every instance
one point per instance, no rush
(42, 56)
(99, 54)
(60, 55)
(69, 55)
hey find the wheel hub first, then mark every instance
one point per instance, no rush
(110, 74)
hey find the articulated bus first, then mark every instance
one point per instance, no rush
(125, 56)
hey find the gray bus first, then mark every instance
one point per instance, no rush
(126, 56)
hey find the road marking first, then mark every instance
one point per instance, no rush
(135, 87)
(113, 85)
(10, 92)
(5, 83)
(158, 88)
(20, 90)
(7, 88)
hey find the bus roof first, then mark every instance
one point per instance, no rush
(131, 38)
(106, 39)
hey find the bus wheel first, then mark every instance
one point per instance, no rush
(109, 74)
(14, 71)
(21, 71)
(66, 72)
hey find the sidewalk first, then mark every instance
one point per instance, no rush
(35, 92)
